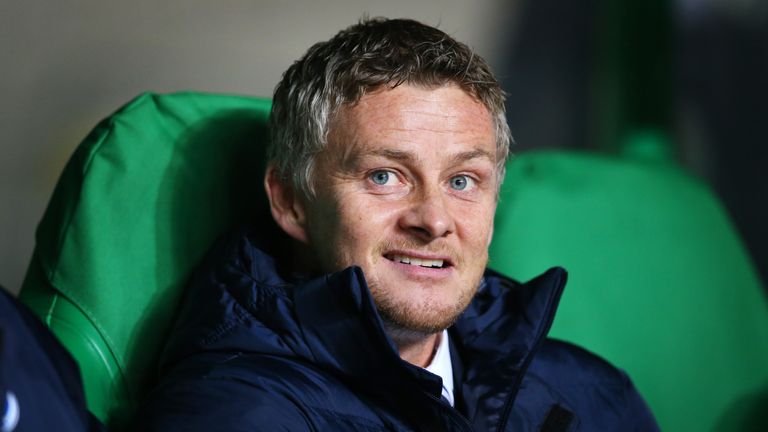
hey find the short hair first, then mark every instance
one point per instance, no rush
(360, 59)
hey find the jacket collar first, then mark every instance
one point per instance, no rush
(346, 336)
(505, 320)
(495, 339)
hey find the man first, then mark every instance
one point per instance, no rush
(389, 145)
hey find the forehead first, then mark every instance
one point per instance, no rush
(439, 116)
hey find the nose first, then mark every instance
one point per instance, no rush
(428, 217)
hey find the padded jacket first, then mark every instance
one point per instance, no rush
(252, 351)
(40, 386)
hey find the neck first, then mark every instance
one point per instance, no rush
(414, 347)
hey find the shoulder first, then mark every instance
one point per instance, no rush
(211, 393)
(576, 365)
(252, 392)
(602, 396)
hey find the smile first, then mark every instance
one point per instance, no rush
(421, 262)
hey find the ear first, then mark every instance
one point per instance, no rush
(490, 237)
(286, 205)
(493, 220)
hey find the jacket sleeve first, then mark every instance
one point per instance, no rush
(221, 404)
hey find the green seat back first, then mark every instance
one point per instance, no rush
(659, 282)
(141, 200)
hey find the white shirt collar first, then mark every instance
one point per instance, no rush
(441, 365)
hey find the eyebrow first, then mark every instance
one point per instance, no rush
(397, 155)
(474, 154)
(404, 156)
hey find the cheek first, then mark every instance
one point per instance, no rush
(365, 221)
(476, 224)
(360, 227)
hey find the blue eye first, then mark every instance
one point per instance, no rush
(381, 177)
(460, 182)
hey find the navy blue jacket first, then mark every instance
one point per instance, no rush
(40, 387)
(253, 352)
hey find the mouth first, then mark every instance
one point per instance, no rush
(424, 262)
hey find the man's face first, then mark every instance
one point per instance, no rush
(406, 189)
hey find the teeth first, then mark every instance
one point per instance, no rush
(419, 262)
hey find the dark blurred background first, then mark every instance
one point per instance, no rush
(584, 75)
(691, 74)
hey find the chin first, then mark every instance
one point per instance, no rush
(419, 317)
